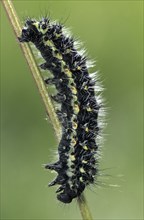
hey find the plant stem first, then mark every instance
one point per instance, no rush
(84, 209)
(14, 20)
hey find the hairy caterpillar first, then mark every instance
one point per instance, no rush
(77, 164)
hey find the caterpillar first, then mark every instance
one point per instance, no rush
(77, 164)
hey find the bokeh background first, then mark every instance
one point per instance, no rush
(112, 33)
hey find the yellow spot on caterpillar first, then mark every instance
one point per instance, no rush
(49, 43)
(81, 179)
(68, 72)
(82, 170)
(67, 51)
(85, 147)
(69, 173)
(75, 98)
(72, 157)
(58, 56)
(57, 35)
(43, 31)
(76, 109)
(63, 63)
(89, 109)
(86, 129)
(36, 24)
(75, 125)
(73, 141)
(78, 68)
(70, 81)
(85, 88)
(74, 91)
(84, 161)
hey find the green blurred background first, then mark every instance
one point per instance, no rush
(112, 33)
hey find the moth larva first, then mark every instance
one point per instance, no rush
(77, 164)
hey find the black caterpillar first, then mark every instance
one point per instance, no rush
(77, 164)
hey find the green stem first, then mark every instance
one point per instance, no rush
(14, 20)
(84, 209)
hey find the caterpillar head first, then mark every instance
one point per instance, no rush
(33, 30)
(68, 194)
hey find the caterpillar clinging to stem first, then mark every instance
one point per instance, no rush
(77, 164)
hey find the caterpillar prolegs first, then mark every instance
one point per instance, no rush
(77, 163)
